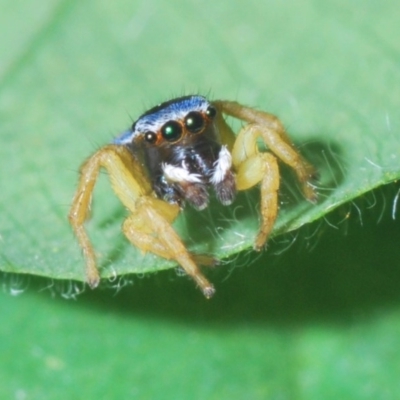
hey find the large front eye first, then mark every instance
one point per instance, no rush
(171, 131)
(194, 122)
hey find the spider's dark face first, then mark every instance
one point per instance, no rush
(178, 143)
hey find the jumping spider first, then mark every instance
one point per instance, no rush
(172, 155)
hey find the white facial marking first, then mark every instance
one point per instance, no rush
(179, 174)
(222, 165)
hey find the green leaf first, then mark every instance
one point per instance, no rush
(297, 324)
(304, 325)
(78, 73)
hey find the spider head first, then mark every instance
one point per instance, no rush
(179, 144)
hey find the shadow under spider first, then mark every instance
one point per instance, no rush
(352, 275)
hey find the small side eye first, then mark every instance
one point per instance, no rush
(211, 112)
(194, 122)
(171, 131)
(150, 137)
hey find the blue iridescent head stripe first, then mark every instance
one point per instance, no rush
(153, 119)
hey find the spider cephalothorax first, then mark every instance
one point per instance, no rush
(177, 152)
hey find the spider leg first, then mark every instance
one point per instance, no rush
(150, 230)
(275, 137)
(256, 168)
(120, 166)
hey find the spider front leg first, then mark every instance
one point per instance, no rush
(149, 225)
(253, 166)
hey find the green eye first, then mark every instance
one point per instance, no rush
(194, 122)
(211, 112)
(171, 131)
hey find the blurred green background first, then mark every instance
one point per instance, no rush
(315, 317)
